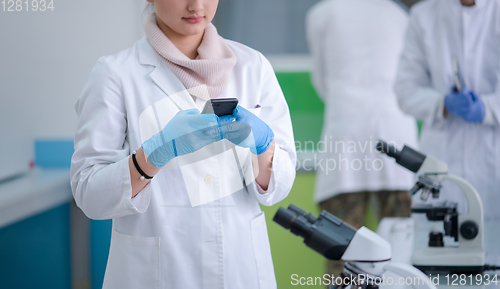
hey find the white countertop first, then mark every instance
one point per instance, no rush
(36, 192)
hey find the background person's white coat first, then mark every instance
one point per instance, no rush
(159, 239)
(438, 31)
(355, 46)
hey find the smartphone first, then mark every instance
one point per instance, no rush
(220, 106)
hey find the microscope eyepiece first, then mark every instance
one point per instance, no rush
(310, 217)
(296, 210)
(327, 234)
(407, 157)
(387, 149)
(296, 223)
(285, 217)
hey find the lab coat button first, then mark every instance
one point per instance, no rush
(209, 179)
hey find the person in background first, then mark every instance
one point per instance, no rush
(461, 126)
(355, 46)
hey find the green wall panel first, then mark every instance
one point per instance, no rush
(299, 92)
(306, 108)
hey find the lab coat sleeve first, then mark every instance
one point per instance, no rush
(274, 112)
(100, 175)
(413, 87)
(315, 36)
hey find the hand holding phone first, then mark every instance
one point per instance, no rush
(247, 131)
(220, 106)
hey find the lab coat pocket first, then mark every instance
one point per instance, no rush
(133, 262)
(262, 252)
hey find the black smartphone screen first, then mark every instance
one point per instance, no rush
(220, 106)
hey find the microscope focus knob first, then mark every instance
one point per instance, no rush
(469, 230)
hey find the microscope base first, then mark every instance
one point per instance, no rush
(453, 260)
(451, 269)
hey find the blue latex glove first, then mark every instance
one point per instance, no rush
(185, 133)
(245, 129)
(466, 104)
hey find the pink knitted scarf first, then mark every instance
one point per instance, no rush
(206, 76)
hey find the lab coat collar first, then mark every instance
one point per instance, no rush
(164, 77)
(146, 53)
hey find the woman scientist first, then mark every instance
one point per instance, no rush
(183, 188)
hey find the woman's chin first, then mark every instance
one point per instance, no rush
(193, 29)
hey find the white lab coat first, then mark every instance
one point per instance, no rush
(438, 31)
(163, 238)
(355, 45)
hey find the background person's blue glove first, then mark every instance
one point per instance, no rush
(466, 104)
(185, 133)
(247, 130)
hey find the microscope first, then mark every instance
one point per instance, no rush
(367, 254)
(465, 229)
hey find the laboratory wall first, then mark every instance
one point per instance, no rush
(272, 27)
(46, 58)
